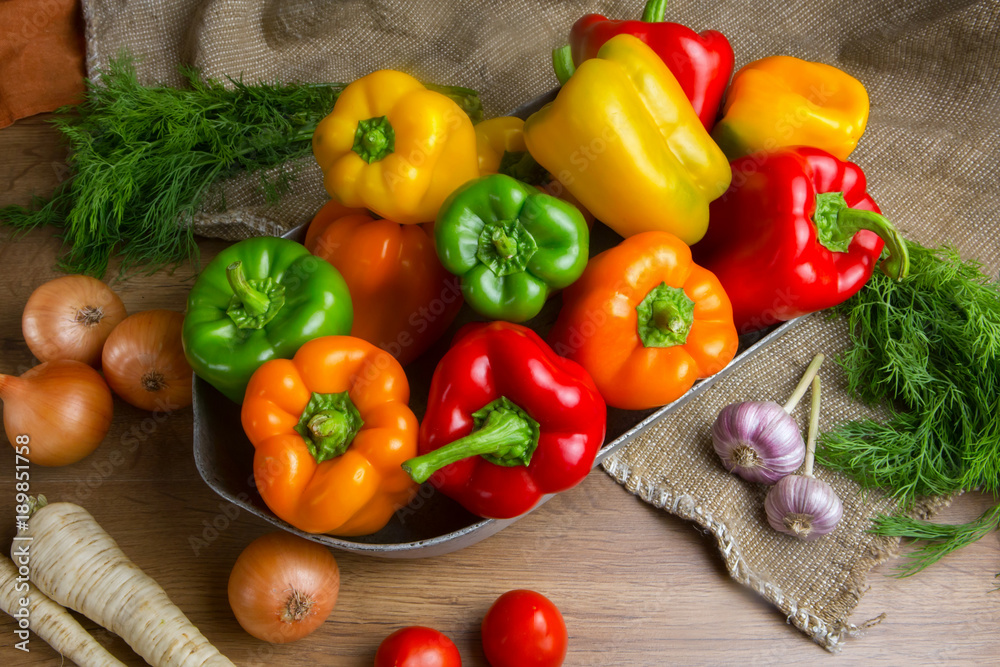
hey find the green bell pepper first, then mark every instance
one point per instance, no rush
(260, 299)
(511, 244)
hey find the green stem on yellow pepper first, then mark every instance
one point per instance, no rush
(374, 139)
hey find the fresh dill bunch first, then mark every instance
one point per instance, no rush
(939, 539)
(929, 349)
(143, 159)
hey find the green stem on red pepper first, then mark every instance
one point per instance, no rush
(655, 11)
(329, 424)
(562, 62)
(503, 434)
(837, 223)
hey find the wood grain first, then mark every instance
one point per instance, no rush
(636, 586)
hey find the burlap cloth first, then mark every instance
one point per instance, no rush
(931, 150)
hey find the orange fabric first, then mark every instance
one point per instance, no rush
(41, 57)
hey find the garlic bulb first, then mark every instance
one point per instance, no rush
(759, 440)
(802, 505)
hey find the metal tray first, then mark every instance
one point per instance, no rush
(432, 524)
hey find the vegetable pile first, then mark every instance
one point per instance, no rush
(730, 220)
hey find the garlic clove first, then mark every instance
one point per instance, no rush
(758, 441)
(805, 507)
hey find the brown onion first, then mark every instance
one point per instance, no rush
(70, 318)
(60, 409)
(144, 361)
(283, 587)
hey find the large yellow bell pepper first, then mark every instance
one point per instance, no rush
(395, 147)
(783, 101)
(622, 136)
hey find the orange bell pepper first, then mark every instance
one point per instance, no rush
(331, 428)
(646, 322)
(405, 299)
(331, 211)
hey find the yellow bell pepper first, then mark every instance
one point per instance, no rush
(622, 136)
(784, 101)
(395, 147)
(494, 138)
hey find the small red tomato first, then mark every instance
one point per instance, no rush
(417, 646)
(524, 629)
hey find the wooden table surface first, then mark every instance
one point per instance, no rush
(635, 585)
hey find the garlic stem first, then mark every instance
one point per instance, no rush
(807, 377)
(813, 428)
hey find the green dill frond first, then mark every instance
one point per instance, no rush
(143, 159)
(928, 348)
(939, 539)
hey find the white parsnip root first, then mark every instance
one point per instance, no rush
(77, 564)
(50, 621)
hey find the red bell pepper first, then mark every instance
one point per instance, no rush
(508, 420)
(795, 233)
(702, 62)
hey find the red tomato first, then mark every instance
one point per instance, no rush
(417, 646)
(524, 629)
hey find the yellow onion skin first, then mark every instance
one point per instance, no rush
(804, 507)
(144, 362)
(283, 587)
(765, 428)
(70, 318)
(63, 408)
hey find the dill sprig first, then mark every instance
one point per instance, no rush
(929, 349)
(939, 539)
(143, 159)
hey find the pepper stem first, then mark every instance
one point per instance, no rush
(374, 139)
(254, 302)
(800, 388)
(523, 167)
(655, 11)
(506, 436)
(505, 245)
(853, 220)
(813, 428)
(667, 316)
(329, 424)
(664, 317)
(837, 223)
(562, 62)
